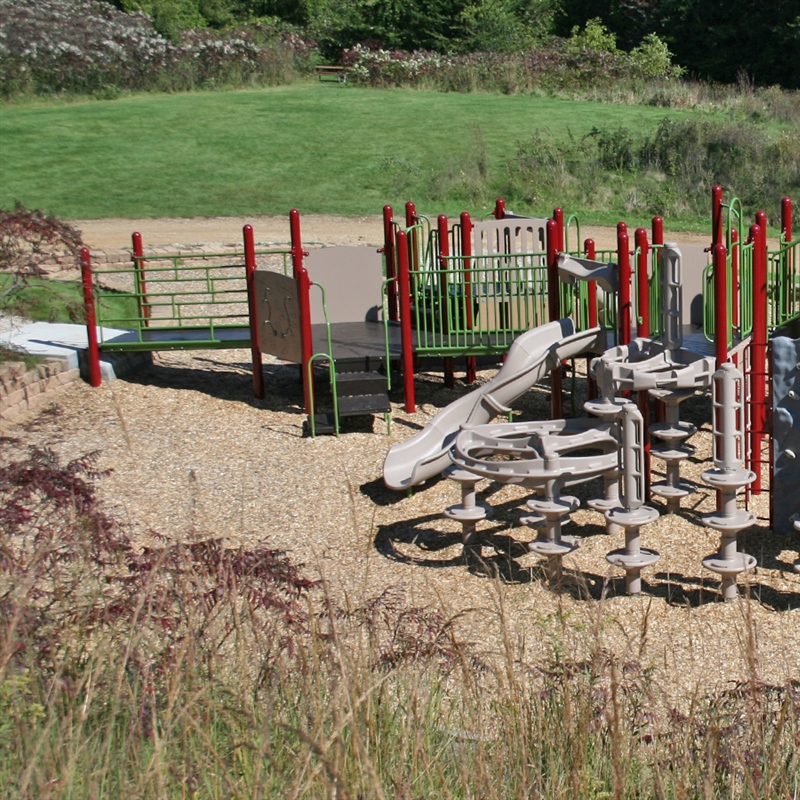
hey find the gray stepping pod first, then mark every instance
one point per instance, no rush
(729, 477)
(470, 512)
(543, 460)
(633, 513)
(672, 449)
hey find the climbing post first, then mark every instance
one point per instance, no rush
(728, 478)
(633, 512)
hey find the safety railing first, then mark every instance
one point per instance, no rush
(784, 270)
(477, 305)
(202, 293)
(782, 289)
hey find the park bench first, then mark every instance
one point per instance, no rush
(332, 73)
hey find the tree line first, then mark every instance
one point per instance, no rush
(724, 41)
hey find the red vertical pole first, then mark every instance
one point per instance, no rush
(412, 237)
(499, 208)
(466, 251)
(642, 283)
(719, 254)
(558, 216)
(554, 312)
(252, 307)
(716, 215)
(444, 294)
(786, 218)
(303, 290)
(657, 231)
(406, 335)
(95, 378)
(589, 250)
(140, 280)
(624, 314)
(758, 352)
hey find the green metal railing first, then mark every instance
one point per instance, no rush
(783, 289)
(477, 305)
(162, 295)
(784, 267)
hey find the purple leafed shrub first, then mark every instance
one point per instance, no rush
(70, 576)
(31, 238)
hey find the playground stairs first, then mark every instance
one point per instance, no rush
(362, 389)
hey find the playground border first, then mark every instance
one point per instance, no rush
(24, 390)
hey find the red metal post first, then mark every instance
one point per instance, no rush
(95, 378)
(466, 251)
(758, 352)
(554, 312)
(716, 215)
(406, 335)
(444, 294)
(657, 231)
(719, 254)
(642, 282)
(558, 216)
(624, 313)
(252, 306)
(140, 279)
(303, 290)
(411, 214)
(389, 256)
(786, 218)
(590, 251)
(499, 208)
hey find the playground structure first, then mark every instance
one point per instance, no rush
(300, 306)
(722, 314)
(509, 287)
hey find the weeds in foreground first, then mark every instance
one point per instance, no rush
(195, 670)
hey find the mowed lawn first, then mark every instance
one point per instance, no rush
(320, 147)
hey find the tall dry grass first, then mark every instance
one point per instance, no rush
(188, 670)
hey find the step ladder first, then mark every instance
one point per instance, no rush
(361, 389)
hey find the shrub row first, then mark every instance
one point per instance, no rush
(89, 47)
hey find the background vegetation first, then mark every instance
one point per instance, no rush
(348, 150)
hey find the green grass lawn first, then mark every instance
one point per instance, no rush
(323, 148)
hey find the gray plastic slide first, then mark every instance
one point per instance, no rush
(531, 356)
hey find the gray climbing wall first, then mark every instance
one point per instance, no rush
(786, 431)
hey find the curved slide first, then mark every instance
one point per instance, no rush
(531, 356)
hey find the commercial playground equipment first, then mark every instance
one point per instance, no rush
(303, 309)
(511, 287)
(665, 369)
